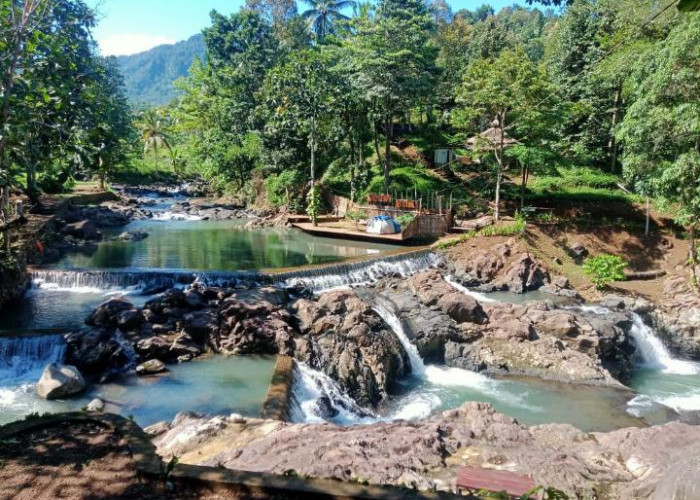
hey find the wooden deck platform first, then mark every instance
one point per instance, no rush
(474, 479)
(334, 232)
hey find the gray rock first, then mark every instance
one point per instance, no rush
(462, 308)
(130, 319)
(157, 429)
(84, 229)
(627, 464)
(107, 313)
(348, 341)
(151, 367)
(96, 406)
(578, 252)
(132, 236)
(60, 381)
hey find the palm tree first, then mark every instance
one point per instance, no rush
(153, 131)
(323, 13)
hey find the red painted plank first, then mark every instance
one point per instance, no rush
(494, 480)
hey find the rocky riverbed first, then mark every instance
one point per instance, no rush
(342, 334)
(659, 462)
(355, 337)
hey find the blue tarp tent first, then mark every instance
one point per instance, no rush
(383, 224)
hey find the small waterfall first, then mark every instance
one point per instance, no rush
(652, 351)
(77, 280)
(385, 309)
(22, 359)
(177, 216)
(318, 398)
(479, 297)
(422, 404)
(358, 273)
(655, 354)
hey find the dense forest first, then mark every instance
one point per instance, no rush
(354, 98)
(149, 76)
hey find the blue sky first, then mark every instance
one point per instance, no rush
(130, 26)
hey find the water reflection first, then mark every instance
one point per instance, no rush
(225, 246)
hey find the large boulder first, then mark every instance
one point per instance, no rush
(428, 327)
(535, 339)
(84, 229)
(151, 367)
(108, 313)
(60, 381)
(523, 275)
(95, 351)
(678, 316)
(462, 308)
(347, 340)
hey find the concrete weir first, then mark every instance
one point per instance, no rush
(277, 403)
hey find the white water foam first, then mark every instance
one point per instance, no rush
(478, 296)
(690, 402)
(655, 355)
(39, 285)
(22, 359)
(178, 216)
(391, 318)
(312, 386)
(364, 273)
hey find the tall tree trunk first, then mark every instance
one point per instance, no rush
(523, 185)
(32, 190)
(648, 216)
(313, 152)
(353, 166)
(499, 160)
(313, 166)
(612, 144)
(376, 143)
(387, 151)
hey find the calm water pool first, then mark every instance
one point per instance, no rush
(221, 246)
(216, 386)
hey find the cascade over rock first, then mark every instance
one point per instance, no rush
(348, 341)
(530, 339)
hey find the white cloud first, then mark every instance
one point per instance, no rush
(131, 43)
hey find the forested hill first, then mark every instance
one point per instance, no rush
(149, 75)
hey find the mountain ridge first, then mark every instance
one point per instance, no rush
(149, 76)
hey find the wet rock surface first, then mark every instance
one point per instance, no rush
(625, 464)
(60, 381)
(679, 316)
(337, 333)
(533, 339)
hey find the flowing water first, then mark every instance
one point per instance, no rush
(662, 379)
(215, 386)
(437, 388)
(181, 252)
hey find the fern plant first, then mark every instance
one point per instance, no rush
(604, 269)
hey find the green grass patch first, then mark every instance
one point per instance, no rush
(515, 228)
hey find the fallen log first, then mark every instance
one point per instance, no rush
(644, 275)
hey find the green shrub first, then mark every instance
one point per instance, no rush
(313, 209)
(405, 219)
(355, 216)
(604, 269)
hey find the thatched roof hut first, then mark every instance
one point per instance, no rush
(489, 139)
